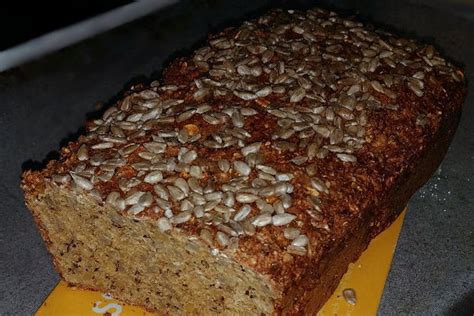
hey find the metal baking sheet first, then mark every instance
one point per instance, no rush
(44, 104)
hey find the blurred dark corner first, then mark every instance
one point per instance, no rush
(22, 22)
(464, 307)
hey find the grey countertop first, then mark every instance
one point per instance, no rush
(44, 104)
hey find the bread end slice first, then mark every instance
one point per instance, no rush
(94, 247)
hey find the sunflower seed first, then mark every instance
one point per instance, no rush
(186, 205)
(112, 197)
(248, 111)
(248, 227)
(211, 119)
(168, 213)
(262, 220)
(346, 157)
(164, 224)
(223, 165)
(127, 150)
(377, 86)
(81, 182)
(176, 193)
(296, 250)
(264, 207)
(282, 219)
(319, 185)
(195, 186)
(198, 211)
(182, 217)
(153, 177)
(291, 233)
(242, 213)
(222, 239)
(350, 296)
(252, 148)
(82, 153)
(120, 204)
(416, 89)
(200, 94)
(229, 199)
(300, 241)
(206, 235)
(245, 95)
(246, 197)
(226, 229)
(211, 205)
(264, 92)
(181, 184)
(161, 191)
(297, 95)
(197, 199)
(136, 209)
(283, 176)
(61, 178)
(236, 227)
(133, 197)
(210, 187)
(353, 89)
(267, 169)
(256, 71)
(189, 157)
(196, 172)
(104, 145)
(322, 130)
(243, 70)
(203, 108)
(145, 199)
(214, 196)
(212, 144)
(147, 155)
(242, 168)
(237, 119)
(143, 165)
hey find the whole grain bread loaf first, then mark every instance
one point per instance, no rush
(249, 177)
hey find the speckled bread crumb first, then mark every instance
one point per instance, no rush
(250, 177)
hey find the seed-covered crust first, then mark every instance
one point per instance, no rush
(273, 143)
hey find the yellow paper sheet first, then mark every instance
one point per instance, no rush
(366, 276)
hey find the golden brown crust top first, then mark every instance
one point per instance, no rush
(271, 142)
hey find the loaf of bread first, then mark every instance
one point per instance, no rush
(248, 178)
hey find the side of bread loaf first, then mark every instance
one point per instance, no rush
(248, 179)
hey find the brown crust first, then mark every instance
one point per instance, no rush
(378, 219)
(397, 158)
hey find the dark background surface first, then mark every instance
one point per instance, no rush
(38, 18)
(44, 103)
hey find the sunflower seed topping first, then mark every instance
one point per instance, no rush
(82, 182)
(296, 250)
(262, 220)
(242, 168)
(242, 213)
(350, 296)
(247, 132)
(282, 219)
(164, 224)
(182, 217)
(153, 177)
(300, 241)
